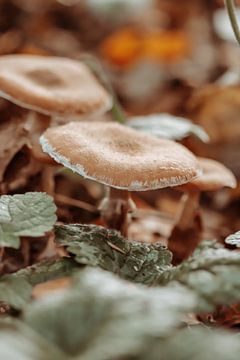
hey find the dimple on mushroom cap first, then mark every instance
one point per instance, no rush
(215, 176)
(120, 157)
(51, 85)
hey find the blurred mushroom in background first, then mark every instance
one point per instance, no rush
(188, 229)
(51, 90)
(216, 109)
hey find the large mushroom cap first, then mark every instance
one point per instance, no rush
(120, 157)
(51, 85)
(215, 176)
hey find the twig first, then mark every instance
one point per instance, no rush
(230, 5)
(114, 247)
(94, 64)
(73, 202)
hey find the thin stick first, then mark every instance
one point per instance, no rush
(230, 5)
(94, 64)
(2, 251)
(73, 202)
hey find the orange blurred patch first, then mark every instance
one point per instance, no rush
(127, 46)
(122, 48)
(166, 46)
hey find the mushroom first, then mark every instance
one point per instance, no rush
(123, 159)
(50, 88)
(216, 109)
(215, 177)
(53, 86)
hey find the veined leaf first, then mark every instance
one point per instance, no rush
(96, 246)
(30, 214)
(16, 289)
(212, 273)
(46, 270)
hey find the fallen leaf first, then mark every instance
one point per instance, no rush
(30, 214)
(97, 246)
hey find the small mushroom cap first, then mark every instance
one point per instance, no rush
(52, 85)
(120, 157)
(215, 176)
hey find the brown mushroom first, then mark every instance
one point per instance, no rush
(215, 177)
(216, 108)
(123, 159)
(53, 86)
(50, 88)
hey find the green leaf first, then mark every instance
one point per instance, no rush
(30, 214)
(194, 344)
(46, 270)
(17, 342)
(96, 246)
(233, 239)
(167, 126)
(104, 317)
(212, 273)
(16, 289)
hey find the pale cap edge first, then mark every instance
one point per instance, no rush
(134, 186)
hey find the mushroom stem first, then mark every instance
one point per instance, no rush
(115, 209)
(47, 181)
(188, 210)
